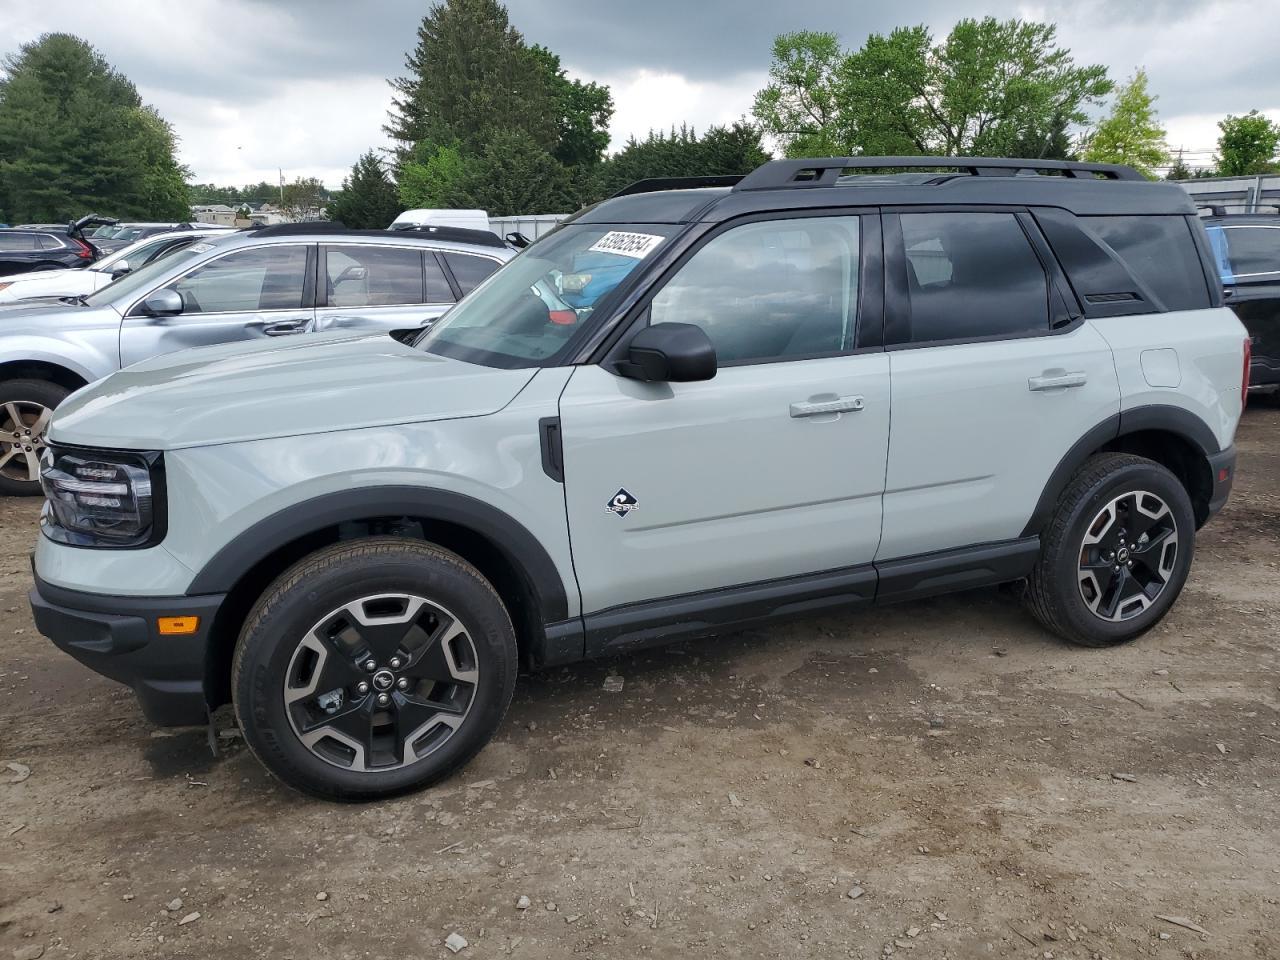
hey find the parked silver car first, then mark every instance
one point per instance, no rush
(277, 281)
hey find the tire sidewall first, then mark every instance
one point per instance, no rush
(1131, 477)
(269, 643)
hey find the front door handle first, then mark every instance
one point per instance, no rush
(1057, 380)
(816, 408)
(283, 328)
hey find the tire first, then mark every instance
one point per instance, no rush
(30, 402)
(392, 601)
(1075, 590)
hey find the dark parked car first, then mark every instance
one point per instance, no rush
(1247, 249)
(27, 248)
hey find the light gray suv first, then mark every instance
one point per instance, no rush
(684, 411)
(272, 282)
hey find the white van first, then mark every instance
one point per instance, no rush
(467, 219)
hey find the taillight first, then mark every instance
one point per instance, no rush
(1244, 380)
(83, 251)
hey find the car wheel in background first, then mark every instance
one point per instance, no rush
(25, 409)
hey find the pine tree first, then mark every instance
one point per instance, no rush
(76, 138)
(368, 200)
(1130, 133)
(471, 73)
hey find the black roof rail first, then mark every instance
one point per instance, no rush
(482, 238)
(826, 171)
(653, 184)
(291, 229)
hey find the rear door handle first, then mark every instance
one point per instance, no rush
(815, 408)
(283, 328)
(1057, 380)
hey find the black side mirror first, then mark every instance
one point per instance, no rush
(670, 353)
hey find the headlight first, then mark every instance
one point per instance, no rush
(98, 498)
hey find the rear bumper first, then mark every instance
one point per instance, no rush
(1223, 466)
(117, 637)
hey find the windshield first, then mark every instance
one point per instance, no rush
(142, 278)
(526, 313)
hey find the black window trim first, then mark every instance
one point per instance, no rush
(1061, 308)
(871, 285)
(449, 278)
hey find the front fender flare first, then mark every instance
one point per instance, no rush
(518, 545)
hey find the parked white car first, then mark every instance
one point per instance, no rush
(38, 284)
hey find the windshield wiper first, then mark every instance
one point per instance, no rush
(80, 299)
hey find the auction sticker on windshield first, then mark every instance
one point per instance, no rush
(634, 245)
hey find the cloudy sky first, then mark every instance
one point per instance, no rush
(255, 85)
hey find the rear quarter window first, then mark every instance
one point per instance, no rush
(1161, 252)
(470, 271)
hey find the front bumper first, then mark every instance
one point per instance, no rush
(118, 637)
(1223, 466)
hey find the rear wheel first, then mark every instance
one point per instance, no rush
(25, 409)
(373, 668)
(1116, 553)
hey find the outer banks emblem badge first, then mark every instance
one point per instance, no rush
(622, 503)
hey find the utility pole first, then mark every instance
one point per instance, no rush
(281, 172)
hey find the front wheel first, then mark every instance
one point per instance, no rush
(25, 409)
(373, 668)
(1116, 553)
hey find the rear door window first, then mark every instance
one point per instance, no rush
(972, 276)
(1161, 252)
(470, 271)
(372, 276)
(1253, 251)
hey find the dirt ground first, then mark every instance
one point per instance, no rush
(992, 793)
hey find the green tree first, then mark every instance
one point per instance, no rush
(1130, 133)
(435, 178)
(1179, 170)
(582, 113)
(515, 174)
(1247, 145)
(162, 185)
(75, 138)
(735, 149)
(471, 73)
(991, 88)
(368, 200)
(305, 198)
(802, 107)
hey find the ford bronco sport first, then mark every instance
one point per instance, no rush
(816, 386)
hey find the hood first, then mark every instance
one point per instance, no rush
(47, 285)
(42, 316)
(316, 383)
